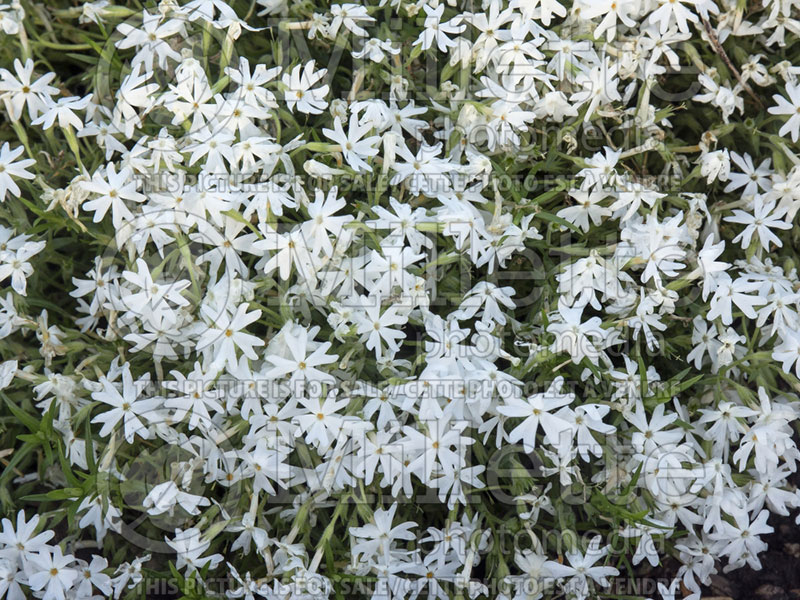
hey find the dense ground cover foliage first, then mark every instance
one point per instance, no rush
(395, 299)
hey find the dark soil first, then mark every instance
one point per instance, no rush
(779, 578)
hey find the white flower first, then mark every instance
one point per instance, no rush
(789, 107)
(763, 219)
(63, 111)
(20, 91)
(150, 40)
(736, 292)
(17, 543)
(15, 264)
(577, 338)
(91, 574)
(323, 221)
(222, 338)
(726, 99)
(189, 546)
(127, 406)
(587, 206)
(166, 496)
(353, 148)
(705, 342)
(728, 348)
(10, 169)
(436, 31)
(321, 424)
(581, 569)
(598, 87)
(377, 538)
(540, 9)
(51, 572)
(674, 11)
(788, 352)
(536, 411)
(8, 369)
(751, 178)
(301, 363)
(374, 49)
(611, 11)
(193, 394)
(131, 95)
(377, 327)
(349, 15)
(129, 575)
(299, 92)
(715, 165)
(93, 12)
(741, 541)
(113, 189)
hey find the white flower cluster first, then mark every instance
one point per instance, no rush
(358, 283)
(28, 564)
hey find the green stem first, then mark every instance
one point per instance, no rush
(65, 47)
(72, 141)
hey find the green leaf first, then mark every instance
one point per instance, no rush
(546, 216)
(62, 494)
(27, 420)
